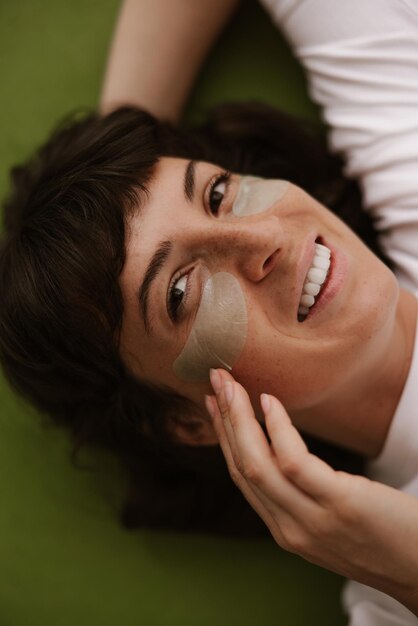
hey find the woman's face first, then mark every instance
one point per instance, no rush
(224, 263)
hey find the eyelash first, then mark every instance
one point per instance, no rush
(224, 177)
(174, 312)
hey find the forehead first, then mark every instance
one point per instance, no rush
(167, 181)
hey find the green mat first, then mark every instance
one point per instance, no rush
(64, 559)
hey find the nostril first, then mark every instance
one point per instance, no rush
(269, 261)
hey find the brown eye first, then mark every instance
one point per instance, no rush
(217, 191)
(176, 296)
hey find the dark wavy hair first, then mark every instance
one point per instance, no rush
(61, 255)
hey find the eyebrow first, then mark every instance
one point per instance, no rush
(156, 264)
(189, 180)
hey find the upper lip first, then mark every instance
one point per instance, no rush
(306, 256)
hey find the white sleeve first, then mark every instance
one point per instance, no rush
(361, 60)
(369, 607)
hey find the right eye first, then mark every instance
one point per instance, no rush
(217, 191)
(177, 296)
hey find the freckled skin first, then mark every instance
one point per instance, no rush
(312, 367)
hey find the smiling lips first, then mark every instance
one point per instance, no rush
(315, 279)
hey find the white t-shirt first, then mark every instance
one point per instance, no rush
(361, 60)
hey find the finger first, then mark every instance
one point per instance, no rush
(222, 410)
(231, 414)
(254, 457)
(251, 496)
(302, 468)
(227, 442)
(289, 508)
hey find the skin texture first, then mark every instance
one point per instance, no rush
(309, 508)
(360, 342)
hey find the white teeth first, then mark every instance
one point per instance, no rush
(315, 278)
(316, 275)
(321, 262)
(312, 289)
(321, 250)
(307, 300)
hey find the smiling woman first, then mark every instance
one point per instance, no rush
(138, 255)
(90, 359)
(229, 292)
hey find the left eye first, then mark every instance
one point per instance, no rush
(217, 192)
(176, 296)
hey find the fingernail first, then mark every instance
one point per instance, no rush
(265, 401)
(209, 405)
(215, 379)
(228, 392)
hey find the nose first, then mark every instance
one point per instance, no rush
(250, 246)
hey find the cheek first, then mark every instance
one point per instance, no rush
(296, 376)
(305, 371)
(301, 372)
(271, 365)
(269, 360)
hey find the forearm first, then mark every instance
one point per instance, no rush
(157, 49)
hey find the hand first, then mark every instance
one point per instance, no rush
(348, 524)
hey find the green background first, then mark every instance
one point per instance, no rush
(64, 558)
